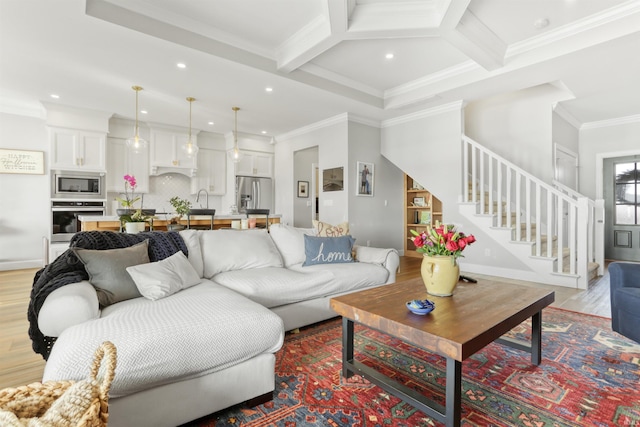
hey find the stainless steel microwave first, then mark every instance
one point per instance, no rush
(78, 185)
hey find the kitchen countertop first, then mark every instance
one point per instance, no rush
(163, 217)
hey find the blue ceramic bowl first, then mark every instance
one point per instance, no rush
(421, 307)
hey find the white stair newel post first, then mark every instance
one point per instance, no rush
(599, 235)
(582, 231)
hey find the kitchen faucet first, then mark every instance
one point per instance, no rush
(206, 193)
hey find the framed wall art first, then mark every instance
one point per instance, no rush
(333, 179)
(303, 188)
(21, 162)
(364, 179)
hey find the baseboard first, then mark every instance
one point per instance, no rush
(508, 273)
(20, 265)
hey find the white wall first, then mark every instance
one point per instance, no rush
(597, 143)
(302, 171)
(565, 134)
(376, 221)
(331, 138)
(518, 127)
(24, 199)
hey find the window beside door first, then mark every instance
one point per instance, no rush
(627, 199)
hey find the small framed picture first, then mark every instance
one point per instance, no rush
(364, 179)
(303, 188)
(418, 201)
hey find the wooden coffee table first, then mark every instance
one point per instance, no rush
(476, 315)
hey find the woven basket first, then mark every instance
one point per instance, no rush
(63, 403)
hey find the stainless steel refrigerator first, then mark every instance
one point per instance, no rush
(254, 193)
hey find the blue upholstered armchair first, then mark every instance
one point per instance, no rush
(625, 299)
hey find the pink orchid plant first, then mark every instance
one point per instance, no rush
(130, 185)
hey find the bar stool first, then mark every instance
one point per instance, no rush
(255, 212)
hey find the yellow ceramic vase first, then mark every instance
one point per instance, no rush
(440, 274)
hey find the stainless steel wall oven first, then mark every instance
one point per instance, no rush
(65, 217)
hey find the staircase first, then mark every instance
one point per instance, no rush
(555, 231)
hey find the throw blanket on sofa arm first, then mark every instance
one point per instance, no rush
(67, 268)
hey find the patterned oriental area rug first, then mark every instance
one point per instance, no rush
(589, 376)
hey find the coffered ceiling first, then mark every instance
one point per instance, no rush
(320, 57)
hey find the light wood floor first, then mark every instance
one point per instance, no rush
(19, 365)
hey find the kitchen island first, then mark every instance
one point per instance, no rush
(112, 223)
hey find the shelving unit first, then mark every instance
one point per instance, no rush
(418, 217)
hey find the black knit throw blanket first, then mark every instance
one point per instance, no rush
(67, 268)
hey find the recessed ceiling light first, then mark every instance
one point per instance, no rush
(181, 65)
(269, 89)
(55, 96)
(210, 123)
(143, 111)
(264, 132)
(541, 23)
(389, 55)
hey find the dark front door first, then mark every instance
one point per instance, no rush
(622, 208)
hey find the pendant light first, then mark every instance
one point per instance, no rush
(235, 154)
(135, 143)
(190, 149)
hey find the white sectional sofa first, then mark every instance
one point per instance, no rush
(204, 334)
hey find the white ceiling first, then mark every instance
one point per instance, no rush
(321, 57)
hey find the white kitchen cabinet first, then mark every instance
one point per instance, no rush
(57, 249)
(78, 150)
(122, 161)
(166, 153)
(212, 172)
(255, 164)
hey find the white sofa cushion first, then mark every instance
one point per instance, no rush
(157, 280)
(199, 330)
(348, 276)
(192, 240)
(290, 242)
(67, 306)
(273, 286)
(226, 250)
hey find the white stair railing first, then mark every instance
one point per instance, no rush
(540, 214)
(595, 224)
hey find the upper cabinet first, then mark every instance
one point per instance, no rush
(166, 154)
(122, 161)
(255, 164)
(78, 150)
(212, 172)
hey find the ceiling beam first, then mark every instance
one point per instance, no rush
(473, 38)
(321, 34)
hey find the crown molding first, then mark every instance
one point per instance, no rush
(452, 106)
(585, 24)
(611, 122)
(364, 120)
(339, 118)
(22, 109)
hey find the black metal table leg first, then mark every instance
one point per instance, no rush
(453, 393)
(536, 338)
(347, 347)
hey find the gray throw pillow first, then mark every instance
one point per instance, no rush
(108, 274)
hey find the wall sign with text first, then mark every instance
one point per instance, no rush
(21, 162)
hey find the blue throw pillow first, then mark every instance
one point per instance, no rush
(327, 250)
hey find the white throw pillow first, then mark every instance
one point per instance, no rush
(290, 242)
(225, 250)
(324, 229)
(157, 280)
(192, 240)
